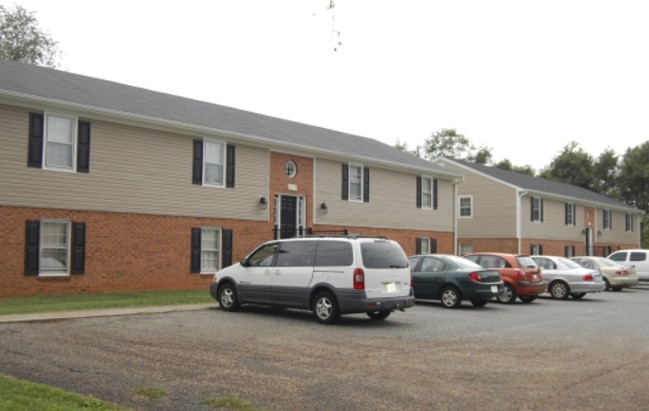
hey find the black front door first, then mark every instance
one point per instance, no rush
(288, 217)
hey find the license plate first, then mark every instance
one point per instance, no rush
(390, 287)
(535, 276)
(494, 289)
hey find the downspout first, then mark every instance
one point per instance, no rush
(455, 214)
(519, 228)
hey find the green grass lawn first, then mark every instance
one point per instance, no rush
(28, 305)
(18, 395)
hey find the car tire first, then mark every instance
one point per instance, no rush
(617, 288)
(379, 315)
(508, 295)
(559, 290)
(227, 298)
(608, 285)
(325, 308)
(578, 296)
(479, 302)
(527, 298)
(451, 297)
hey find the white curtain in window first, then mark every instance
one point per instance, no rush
(355, 183)
(209, 249)
(60, 142)
(54, 246)
(214, 163)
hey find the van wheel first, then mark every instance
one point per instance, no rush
(479, 302)
(577, 296)
(508, 295)
(451, 297)
(325, 308)
(559, 290)
(227, 297)
(378, 315)
(527, 298)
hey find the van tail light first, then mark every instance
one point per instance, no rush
(520, 275)
(359, 279)
(475, 276)
(587, 277)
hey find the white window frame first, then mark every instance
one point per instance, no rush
(218, 250)
(47, 143)
(223, 159)
(43, 247)
(424, 243)
(607, 216)
(535, 249)
(571, 217)
(536, 206)
(460, 207)
(427, 193)
(465, 248)
(360, 181)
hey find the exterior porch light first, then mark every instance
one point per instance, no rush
(263, 203)
(324, 208)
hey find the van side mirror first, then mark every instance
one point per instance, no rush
(244, 263)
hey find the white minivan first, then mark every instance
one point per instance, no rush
(637, 258)
(328, 275)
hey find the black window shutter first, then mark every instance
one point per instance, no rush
(227, 248)
(35, 147)
(196, 251)
(78, 248)
(531, 208)
(541, 212)
(345, 183)
(435, 194)
(32, 240)
(366, 185)
(83, 147)
(567, 210)
(532, 249)
(418, 246)
(229, 168)
(418, 191)
(540, 249)
(197, 173)
(433, 245)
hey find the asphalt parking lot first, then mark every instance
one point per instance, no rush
(572, 355)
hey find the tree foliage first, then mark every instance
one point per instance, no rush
(573, 166)
(22, 39)
(450, 144)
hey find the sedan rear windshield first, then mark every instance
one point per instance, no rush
(383, 254)
(526, 262)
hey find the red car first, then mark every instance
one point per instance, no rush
(521, 275)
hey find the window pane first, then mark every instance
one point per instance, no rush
(59, 129)
(59, 155)
(334, 253)
(54, 246)
(296, 254)
(213, 163)
(210, 249)
(355, 183)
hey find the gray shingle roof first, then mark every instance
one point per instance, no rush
(92, 93)
(542, 185)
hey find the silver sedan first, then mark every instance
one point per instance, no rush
(564, 277)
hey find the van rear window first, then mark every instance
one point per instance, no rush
(383, 254)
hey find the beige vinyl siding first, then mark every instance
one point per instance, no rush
(554, 225)
(494, 208)
(392, 201)
(131, 170)
(618, 233)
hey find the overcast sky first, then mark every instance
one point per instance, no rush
(523, 78)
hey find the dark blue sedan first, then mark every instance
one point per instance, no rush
(453, 279)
